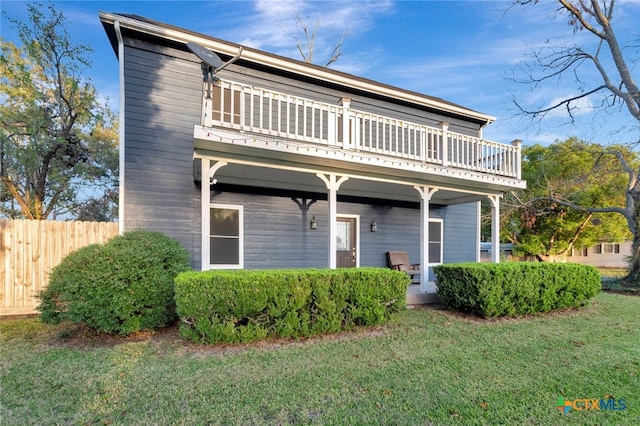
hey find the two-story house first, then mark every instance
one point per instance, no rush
(253, 160)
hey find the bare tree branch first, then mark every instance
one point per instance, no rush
(307, 49)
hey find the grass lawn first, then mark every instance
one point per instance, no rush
(426, 367)
(613, 272)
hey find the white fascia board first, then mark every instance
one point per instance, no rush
(199, 154)
(296, 67)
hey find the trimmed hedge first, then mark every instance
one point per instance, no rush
(122, 286)
(509, 289)
(248, 305)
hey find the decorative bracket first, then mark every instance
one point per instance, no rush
(304, 203)
(212, 171)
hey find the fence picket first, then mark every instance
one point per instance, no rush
(30, 249)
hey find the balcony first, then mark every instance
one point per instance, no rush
(257, 111)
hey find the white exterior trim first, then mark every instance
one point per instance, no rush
(478, 230)
(333, 182)
(290, 147)
(121, 132)
(495, 227)
(207, 234)
(441, 221)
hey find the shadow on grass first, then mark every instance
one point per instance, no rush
(615, 285)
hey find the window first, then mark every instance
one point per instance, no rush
(225, 236)
(435, 241)
(581, 252)
(607, 248)
(226, 105)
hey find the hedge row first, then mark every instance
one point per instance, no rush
(248, 305)
(508, 289)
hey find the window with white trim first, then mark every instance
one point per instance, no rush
(435, 241)
(226, 236)
(579, 252)
(606, 248)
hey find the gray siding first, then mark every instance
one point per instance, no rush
(240, 74)
(460, 233)
(163, 97)
(163, 100)
(277, 232)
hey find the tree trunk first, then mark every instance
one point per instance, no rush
(633, 278)
(551, 258)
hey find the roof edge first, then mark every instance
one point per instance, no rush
(297, 67)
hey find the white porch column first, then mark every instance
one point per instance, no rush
(426, 192)
(495, 227)
(333, 183)
(207, 179)
(517, 161)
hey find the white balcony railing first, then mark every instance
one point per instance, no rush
(261, 111)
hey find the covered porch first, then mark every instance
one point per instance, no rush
(245, 160)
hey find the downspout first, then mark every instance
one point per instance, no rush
(480, 131)
(121, 217)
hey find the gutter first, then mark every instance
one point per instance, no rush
(121, 181)
(295, 67)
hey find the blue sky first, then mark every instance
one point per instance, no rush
(460, 51)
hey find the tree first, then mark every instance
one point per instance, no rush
(307, 47)
(614, 88)
(578, 171)
(59, 143)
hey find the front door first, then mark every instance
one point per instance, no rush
(346, 242)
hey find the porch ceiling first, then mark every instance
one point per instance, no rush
(244, 173)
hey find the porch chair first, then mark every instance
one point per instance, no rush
(399, 260)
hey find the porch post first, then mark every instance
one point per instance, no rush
(517, 160)
(426, 192)
(205, 200)
(333, 183)
(206, 180)
(495, 227)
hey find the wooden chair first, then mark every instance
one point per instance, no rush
(399, 260)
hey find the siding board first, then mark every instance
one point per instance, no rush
(163, 95)
(277, 233)
(163, 102)
(359, 101)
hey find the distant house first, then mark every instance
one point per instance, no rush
(486, 249)
(269, 162)
(603, 254)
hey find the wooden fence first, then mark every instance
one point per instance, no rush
(29, 249)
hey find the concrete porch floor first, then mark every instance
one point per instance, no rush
(415, 297)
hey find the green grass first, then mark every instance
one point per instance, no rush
(613, 272)
(426, 367)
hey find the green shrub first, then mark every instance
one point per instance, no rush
(248, 305)
(508, 289)
(122, 286)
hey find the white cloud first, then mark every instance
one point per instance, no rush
(272, 26)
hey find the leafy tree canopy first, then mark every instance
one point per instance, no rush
(59, 142)
(580, 172)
